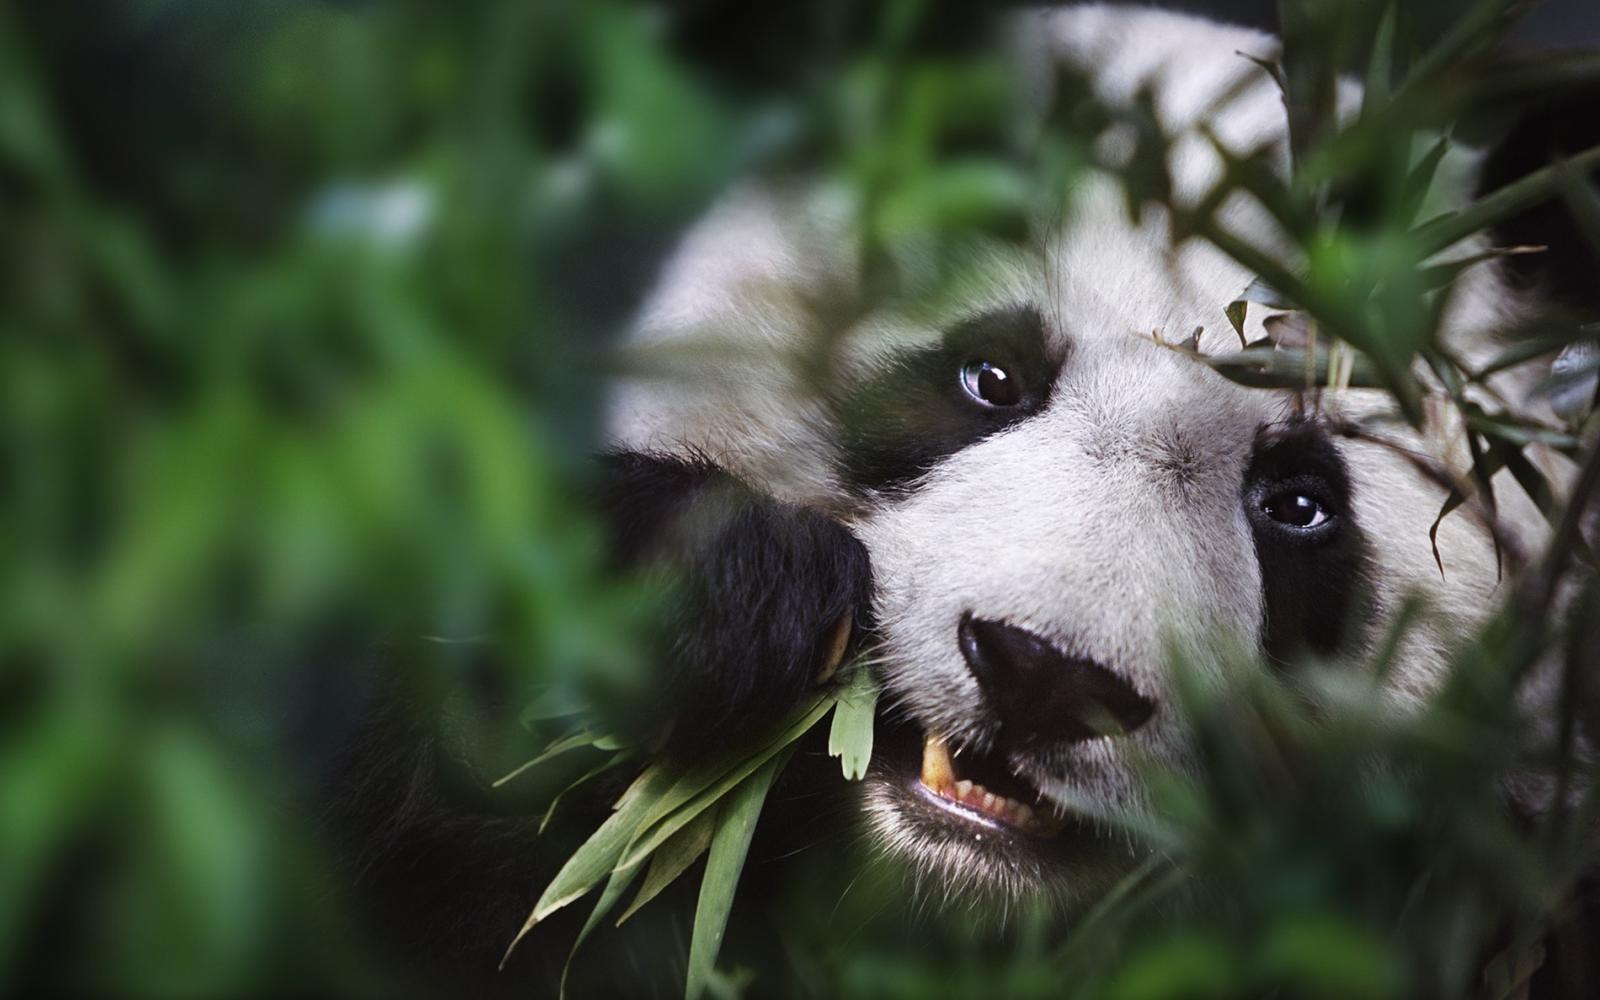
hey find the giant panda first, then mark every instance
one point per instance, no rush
(1010, 499)
(1020, 491)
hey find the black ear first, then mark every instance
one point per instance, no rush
(759, 593)
(1568, 274)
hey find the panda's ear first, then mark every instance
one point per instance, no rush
(1535, 136)
(762, 596)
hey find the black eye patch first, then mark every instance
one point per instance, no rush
(1315, 561)
(920, 406)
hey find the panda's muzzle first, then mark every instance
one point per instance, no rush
(1042, 696)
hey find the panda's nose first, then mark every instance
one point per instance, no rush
(1042, 695)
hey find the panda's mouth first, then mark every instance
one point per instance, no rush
(984, 789)
(978, 822)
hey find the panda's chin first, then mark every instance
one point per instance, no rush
(971, 827)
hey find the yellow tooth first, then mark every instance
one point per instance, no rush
(963, 789)
(936, 772)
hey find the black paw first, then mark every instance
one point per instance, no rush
(763, 597)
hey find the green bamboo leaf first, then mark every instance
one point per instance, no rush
(687, 784)
(1270, 66)
(729, 845)
(1535, 76)
(1420, 180)
(1442, 274)
(550, 810)
(1380, 68)
(674, 813)
(1483, 474)
(565, 744)
(1451, 502)
(1481, 26)
(1285, 368)
(552, 703)
(850, 738)
(596, 858)
(1518, 196)
(1528, 477)
(616, 885)
(1583, 203)
(1257, 174)
(1236, 311)
(1519, 434)
(674, 857)
(1259, 292)
(634, 790)
(1546, 333)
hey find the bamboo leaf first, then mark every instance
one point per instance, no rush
(1451, 502)
(1543, 334)
(1291, 331)
(1237, 311)
(595, 859)
(616, 885)
(1517, 433)
(1259, 292)
(1536, 75)
(635, 789)
(1380, 67)
(668, 821)
(552, 703)
(1582, 202)
(1479, 27)
(1442, 274)
(550, 810)
(566, 744)
(729, 845)
(1282, 368)
(1483, 474)
(674, 857)
(850, 738)
(1532, 481)
(1420, 180)
(1518, 196)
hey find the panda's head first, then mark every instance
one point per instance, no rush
(1048, 492)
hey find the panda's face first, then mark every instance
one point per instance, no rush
(1048, 492)
(1052, 494)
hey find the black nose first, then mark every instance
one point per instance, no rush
(1042, 695)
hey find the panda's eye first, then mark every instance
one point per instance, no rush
(1296, 509)
(990, 384)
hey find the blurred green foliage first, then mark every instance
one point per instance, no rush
(303, 312)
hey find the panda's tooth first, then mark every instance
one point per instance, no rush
(963, 790)
(1023, 814)
(936, 772)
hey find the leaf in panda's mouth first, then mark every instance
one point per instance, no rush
(972, 786)
(675, 811)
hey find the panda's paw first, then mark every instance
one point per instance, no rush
(765, 597)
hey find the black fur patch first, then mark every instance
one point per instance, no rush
(756, 591)
(1316, 585)
(898, 424)
(1569, 272)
